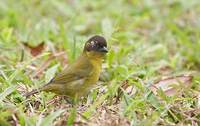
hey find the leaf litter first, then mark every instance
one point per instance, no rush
(168, 85)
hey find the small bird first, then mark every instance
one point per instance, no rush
(81, 76)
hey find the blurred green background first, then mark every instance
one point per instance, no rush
(147, 39)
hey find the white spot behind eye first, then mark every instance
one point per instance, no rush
(92, 43)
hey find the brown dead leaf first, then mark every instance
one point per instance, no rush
(164, 70)
(167, 84)
(125, 87)
(35, 50)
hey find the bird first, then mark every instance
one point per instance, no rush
(82, 75)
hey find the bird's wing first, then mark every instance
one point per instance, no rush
(72, 73)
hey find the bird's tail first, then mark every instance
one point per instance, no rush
(34, 91)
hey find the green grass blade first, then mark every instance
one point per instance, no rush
(48, 120)
(6, 92)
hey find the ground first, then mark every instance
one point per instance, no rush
(150, 75)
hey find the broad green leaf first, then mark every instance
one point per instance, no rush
(50, 73)
(48, 120)
(71, 117)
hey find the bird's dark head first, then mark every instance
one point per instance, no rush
(96, 44)
(96, 47)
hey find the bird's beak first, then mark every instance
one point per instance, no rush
(104, 49)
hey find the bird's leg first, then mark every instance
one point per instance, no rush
(72, 101)
(69, 100)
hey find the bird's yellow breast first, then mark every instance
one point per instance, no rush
(92, 79)
(94, 75)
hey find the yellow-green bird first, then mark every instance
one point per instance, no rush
(81, 76)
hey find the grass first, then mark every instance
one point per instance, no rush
(147, 40)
